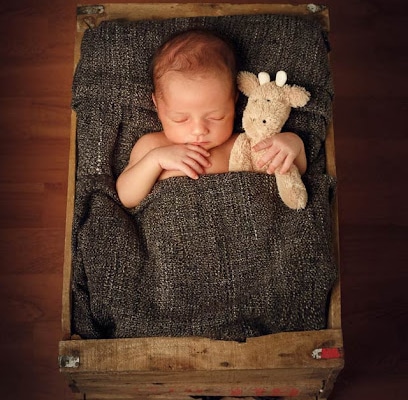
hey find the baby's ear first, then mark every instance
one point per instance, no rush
(297, 95)
(247, 82)
(154, 100)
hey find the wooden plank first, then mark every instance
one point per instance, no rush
(109, 396)
(283, 350)
(278, 377)
(168, 397)
(67, 271)
(285, 383)
(334, 314)
(277, 383)
(105, 396)
(205, 387)
(91, 16)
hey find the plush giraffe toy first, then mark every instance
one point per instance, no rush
(268, 108)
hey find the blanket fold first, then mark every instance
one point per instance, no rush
(220, 257)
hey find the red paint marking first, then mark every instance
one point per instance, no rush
(259, 391)
(194, 391)
(333, 352)
(285, 392)
(294, 392)
(327, 353)
(236, 392)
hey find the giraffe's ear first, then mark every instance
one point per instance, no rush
(247, 82)
(297, 95)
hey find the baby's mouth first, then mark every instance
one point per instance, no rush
(199, 143)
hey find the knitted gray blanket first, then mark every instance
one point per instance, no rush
(222, 256)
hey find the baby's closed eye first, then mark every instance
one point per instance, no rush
(217, 118)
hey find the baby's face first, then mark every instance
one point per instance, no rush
(196, 110)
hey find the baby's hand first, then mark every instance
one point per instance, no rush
(187, 158)
(282, 150)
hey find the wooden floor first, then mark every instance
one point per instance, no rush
(370, 65)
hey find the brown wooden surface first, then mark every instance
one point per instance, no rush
(90, 17)
(141, 368)
(369, 66)
(274, 364)
(271, 363)
(278, 351)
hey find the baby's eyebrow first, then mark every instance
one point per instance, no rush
(177, 113)
(217, 111)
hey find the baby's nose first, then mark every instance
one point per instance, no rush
(200, 128)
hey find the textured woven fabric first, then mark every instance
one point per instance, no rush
(222, 256)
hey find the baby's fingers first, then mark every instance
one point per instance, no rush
(190, 168)
(195, 165)
(263, 144)
(269, 156)
(190, 172)
(198, 149)
(200, 158)
(275, 163)
(286, 165)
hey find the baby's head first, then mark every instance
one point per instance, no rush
(194, 53)
(194, 77)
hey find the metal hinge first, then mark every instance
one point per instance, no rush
(89, 10)
(68, 361)
(315, 8)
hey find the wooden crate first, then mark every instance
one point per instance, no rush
(298, 365)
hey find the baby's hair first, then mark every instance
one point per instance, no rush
(194, 51)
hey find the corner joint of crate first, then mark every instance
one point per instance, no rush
(91, 9)
(68, 361)
(316, 8)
